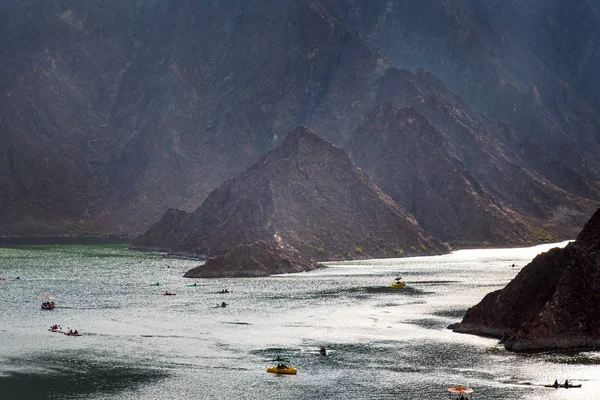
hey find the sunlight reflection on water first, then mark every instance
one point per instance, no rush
(383, 343)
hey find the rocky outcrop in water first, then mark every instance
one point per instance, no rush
(303, 202)
(254, 260)
(553, 303)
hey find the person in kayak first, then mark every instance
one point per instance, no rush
(323, 351)
(223, 304)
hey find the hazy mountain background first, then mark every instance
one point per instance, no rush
(480, 117)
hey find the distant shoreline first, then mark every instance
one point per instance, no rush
(57, 240)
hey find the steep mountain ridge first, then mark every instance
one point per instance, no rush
(305, 195)
(437, 189)
(112, 112)
(509, 191)
(530, 64)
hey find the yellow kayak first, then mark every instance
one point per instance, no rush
(398, 284)
(287, 371)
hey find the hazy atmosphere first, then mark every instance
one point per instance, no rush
(372, 198)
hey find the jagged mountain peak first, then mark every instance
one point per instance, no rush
(303, 142)
(304, 197)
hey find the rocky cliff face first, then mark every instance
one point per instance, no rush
(553, 303)
(437, 188)
(305, 195)
(530, 64)
(112, 112)
(412, 153)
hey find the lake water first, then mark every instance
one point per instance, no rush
(382, 343)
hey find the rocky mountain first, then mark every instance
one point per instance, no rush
(112, 112)
(305, 197)
(553, 303)
(408, 166)
(438, 189)
(530, 64)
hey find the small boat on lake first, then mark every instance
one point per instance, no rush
(398, 283)
(169, 294)
(48, 303)
(566, 385)
(283, 367)
(460, 392)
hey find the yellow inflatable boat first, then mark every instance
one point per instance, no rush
(287, 370)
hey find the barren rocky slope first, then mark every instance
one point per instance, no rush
(112, 112)
(531, 64)
(305, 197)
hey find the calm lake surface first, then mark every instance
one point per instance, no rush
(382, 343)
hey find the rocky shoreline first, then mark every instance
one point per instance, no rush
(552, 304)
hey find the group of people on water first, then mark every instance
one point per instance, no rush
(70, 331)
(48, 303)
(566, 384)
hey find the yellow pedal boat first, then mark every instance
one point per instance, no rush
(287, 370)
(398, 283)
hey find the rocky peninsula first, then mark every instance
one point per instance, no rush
(552, 304)
(301, 203)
